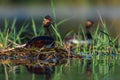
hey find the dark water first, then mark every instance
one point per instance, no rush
(77, 70)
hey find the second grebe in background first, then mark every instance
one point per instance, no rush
(87, 39)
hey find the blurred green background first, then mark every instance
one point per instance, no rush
(62, 2)
(78, 10)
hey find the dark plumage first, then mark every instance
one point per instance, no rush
(43, 41)
(88, 25)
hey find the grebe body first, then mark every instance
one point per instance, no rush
(43, 41)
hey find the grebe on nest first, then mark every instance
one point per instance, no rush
(43, 41)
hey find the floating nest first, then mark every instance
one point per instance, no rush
(33, 56)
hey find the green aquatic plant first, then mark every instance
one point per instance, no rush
(6, 71)
(37, 32)
(10, 36)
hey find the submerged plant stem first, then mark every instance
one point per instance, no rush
(6, 74)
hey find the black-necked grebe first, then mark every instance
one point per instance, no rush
(73, 39)
(43, 41)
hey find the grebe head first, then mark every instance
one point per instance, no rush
(89, 23)
(47, 21)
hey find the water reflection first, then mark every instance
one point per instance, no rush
(77, 70)
(45, 71)
(88, 70)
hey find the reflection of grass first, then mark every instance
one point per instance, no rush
(6, 72)
(85, 70)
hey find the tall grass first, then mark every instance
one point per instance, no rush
(37, 31)
(101, 39)
(56, 25)
(9, 35)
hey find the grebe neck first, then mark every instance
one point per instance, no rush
(47, 31)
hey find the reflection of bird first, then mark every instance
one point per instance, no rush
(43, 41)
(74, 38)
(46, 70)
(88, 68)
